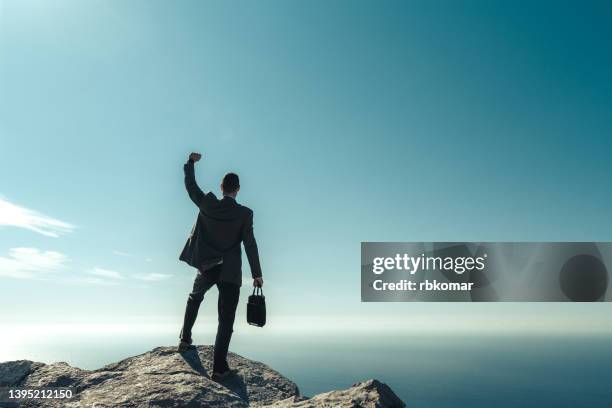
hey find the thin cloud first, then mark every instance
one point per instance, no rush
(130, 255)
(124, 254)
(31, 263)
(106, 273)
(92, 280)
(154, 277)
(15, 216)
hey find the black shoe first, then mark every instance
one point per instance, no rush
(185, 346)
(222, 376)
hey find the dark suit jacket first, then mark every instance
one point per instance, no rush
(219, 229)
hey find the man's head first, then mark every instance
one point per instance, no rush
(230, 185)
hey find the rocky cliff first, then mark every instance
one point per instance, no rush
(164, 378)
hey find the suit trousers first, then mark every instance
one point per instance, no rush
(226, 306)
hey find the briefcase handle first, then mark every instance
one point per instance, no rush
(256, 292)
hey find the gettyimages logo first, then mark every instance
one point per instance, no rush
(485, 271)
(412, 264)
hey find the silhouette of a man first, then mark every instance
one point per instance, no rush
(214, 249)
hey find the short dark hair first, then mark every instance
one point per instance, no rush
(230, 183)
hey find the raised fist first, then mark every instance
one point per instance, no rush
(194, 157)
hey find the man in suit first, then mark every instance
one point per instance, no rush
(214, 249)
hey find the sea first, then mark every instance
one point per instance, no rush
(425, 370)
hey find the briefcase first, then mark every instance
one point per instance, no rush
(256, 308)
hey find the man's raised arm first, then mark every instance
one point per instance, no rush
(195, 193)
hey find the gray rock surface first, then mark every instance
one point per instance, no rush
(164, 378)
(366, 394)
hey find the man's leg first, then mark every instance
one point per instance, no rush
(203, 281)
(228, 301)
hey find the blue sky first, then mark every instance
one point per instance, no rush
(347, 122)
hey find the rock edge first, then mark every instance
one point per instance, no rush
(164, 378)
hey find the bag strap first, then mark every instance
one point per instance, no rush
(258, 292)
